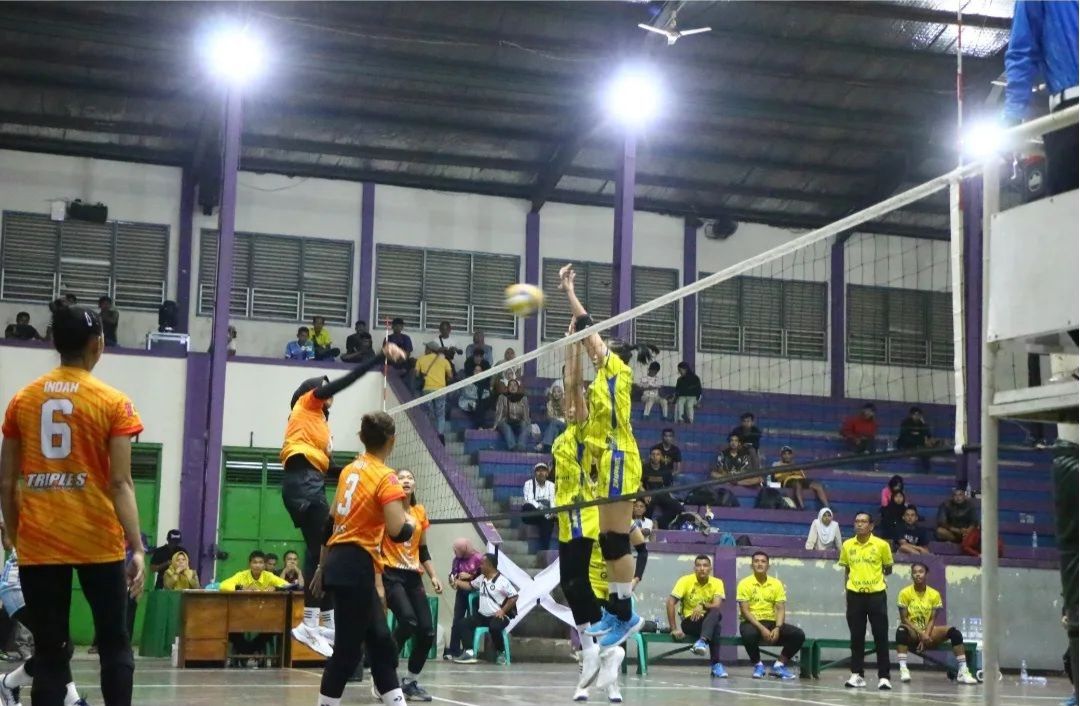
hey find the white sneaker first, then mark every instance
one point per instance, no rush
(312, 638)
(375, 692)
(328, 634)
(613, 694)
(581, 695)
(855, 682)
(610, 662)
(884, 684)
(590, 667)
(963, 676)
(905, 674)
(9, 696)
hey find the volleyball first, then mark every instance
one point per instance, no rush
(524, 299)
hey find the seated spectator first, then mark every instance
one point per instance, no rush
(110, 319)
(401, 339)
(254, 578)
(700, 597)
(892, 516)
(915, 433)
(672, 454)
(824, 532)
(291, 570)
(556, 417)
(910, 538)
(509, 375)
(231, 348)
(956, 516)
(302, 348)
(895, 483)
(447, 345)
(475, 399)
(464, 567)
(161, 558)
(860, 431)
(271, 563)
(650, 392)
(320, 338)
(639, 520)
(736, 458)
(763, 619)
(512, 417)
(495, 609)
(797, 480)
(971, 544)
(180, 576)
(359, 346)
(539, 495)
(656, 476)
(21, 330)
(433, 373)
(750, 436)
(687, 394)
(478, 344)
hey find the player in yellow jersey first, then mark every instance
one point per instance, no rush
(609, 438)
(919, 604)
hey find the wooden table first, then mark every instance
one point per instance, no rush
(208, 617)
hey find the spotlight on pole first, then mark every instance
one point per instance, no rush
(234, 54)
(633, 98)
(982, 139)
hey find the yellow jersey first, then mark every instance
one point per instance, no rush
(691, 593)
(435, 369)
(866, 562)
(609, 407)
(920, 606)
(598, 573)
(761, 598)
(572, 485)
(245, 581)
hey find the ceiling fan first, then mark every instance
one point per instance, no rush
(671, 32)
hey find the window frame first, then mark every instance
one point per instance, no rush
(890, 341)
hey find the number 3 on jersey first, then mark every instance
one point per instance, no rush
(56, 433)
(345, 505)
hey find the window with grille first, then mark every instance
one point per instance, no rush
(425, 286)
(281, 277)
(904, 327)
(764, 317)
(40, 258)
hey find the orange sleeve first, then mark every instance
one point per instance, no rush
(308, 400)
(11, 424)
(125, 420)
(389, 490)
(421, 511)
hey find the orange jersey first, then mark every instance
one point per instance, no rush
(365, 486)
(64, 421)
(406, 555)
(308, 432)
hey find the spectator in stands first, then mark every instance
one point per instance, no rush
(254, 578)
(478, 343)
(291, 570)
(301, 348)
(650, 392)
(971, 544)
(700, 597)
(824, 532)
(556, 417)
(736, 458)
(359, 346)
(763, 619)
(110, 319)
(956, 516)
(400, 339)
(892, 516)
(639, 519)
(495, 609)
(539, 495)
(434, 373)
(475, 399)
(656, 476)
(915, 433)
(510, 374)
(320, 338)
(687, 394)
(463, 569)
(672, 454)
(162, 556)
(271, 563)
(21, 330)
(797, 480)
(910, 538)
(860, 431)
(512, 417)
(180, 576)
(231, 346)
(750, 436)
(895, 483)
(447, 345)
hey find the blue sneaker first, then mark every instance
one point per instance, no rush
(621, 630)
(1071, 701)
(700, 648)
(607, 622)
(759, 671)
(783, 672)
(718, 671)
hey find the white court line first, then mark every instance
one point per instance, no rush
(763, 694)
(451, 701)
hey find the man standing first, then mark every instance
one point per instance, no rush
(110, 319)
(956, 516)
(399, 338)
(478, 344)
(915, 433)
(750, 435)
(162, 556)
(700, 597)
(763, 612)
(867, 560)
(434, 373)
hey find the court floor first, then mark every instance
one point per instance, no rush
(158, 684)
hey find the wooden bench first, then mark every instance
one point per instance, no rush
(642, 640)
(816, 666)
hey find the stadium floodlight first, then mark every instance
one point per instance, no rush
(234, 54)
(983, 138)
(634, 97)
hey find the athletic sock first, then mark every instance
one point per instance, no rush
(621, 589)
(311, 617)
(394, 697)
(72, 696)
(620, 607)
(587, 641)
(961, 661)
(329, 701)
(326, 618)
(18, 677)
(777, 664)
(902, 659)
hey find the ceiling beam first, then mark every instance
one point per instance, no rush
(896, 12)
(92, 124)
(95, 150)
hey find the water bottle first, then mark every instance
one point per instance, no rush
(1034, 540)
(1024, 672)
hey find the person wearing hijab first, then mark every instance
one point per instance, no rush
(824, 532)
(465, 566)
(895, 483)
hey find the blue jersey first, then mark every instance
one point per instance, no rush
(1043, 42)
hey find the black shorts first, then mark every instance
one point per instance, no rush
(348, 566)
(303, 490)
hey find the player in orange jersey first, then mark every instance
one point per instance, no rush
(69, 502)
(368, 505)
(306, 457)
(404, 564)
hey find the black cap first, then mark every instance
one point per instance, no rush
(173, 535)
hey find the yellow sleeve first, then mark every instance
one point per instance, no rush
(742, 592)
(781, 592)
(679, 591)
(936, 603)
(276, 581)
(904, 598)
(886, 554)
(720, 589)
(843, 560)
(231, 583)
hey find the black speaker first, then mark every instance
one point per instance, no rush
(97, 213)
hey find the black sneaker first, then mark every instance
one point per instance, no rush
(414, 692)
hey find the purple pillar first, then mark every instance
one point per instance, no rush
(366, 259)
(622, 257)
(193, 463)
(532, 276)
(837, 320)
(689, 304)
(183, 272)
(971, 199)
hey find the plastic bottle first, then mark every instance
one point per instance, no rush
(1024, 672)
(1034, 540)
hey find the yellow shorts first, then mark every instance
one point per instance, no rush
(598, 574)
(619, 472)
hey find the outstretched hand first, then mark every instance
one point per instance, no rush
(566, 277)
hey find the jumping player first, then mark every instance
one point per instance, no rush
(404, 564)
(919, 604)
(610, 440)
(368, 504)
(67, 438)
(306, 457)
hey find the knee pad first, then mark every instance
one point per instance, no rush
(955, 637)
(614, 545)
(903, 637)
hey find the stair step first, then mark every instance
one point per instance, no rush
(541, 624)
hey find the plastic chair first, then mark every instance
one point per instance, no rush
(482, 631)
(639, 642)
